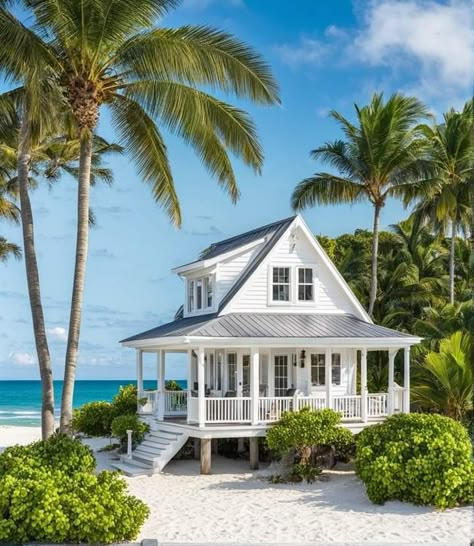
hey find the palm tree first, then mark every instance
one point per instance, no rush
(444, 382)
(445, 198)
(381, 156)
(111, 54)
(47, 157)
(8, 249)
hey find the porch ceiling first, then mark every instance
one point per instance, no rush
(268, 326)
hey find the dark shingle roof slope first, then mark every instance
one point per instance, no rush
(271, 325)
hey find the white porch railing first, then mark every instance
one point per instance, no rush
(271, 408)
(228, 410)
(348, 406)
(176, 402)
(151, 401)
(193, 409)
(377, 404)
(313, 402)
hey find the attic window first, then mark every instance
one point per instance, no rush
(281, 284)
(200, 294)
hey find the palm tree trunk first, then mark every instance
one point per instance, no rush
(82, 244)
(375, 251)
(451, 262)
(33, 282)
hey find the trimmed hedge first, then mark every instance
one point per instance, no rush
(418, 458)
(49, 493)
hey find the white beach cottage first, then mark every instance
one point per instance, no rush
(269, 325)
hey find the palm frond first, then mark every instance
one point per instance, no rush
(326, 189)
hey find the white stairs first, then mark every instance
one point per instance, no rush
(155, 452)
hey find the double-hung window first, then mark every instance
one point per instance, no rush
(200, 294)
(305, 284)
(281, 284)
(336, 369)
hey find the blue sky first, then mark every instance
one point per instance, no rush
(325, 55)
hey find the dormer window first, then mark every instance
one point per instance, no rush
(281, 284)
(200, 294)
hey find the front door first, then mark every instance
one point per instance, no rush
(281, 375)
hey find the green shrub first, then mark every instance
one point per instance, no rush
(303, 430)
(50, 494)
(93, 419)
(172, 385)
(125, 401)
(60, 452)
(306, 472)
(122, 423)
(424, 459)
(344, 444)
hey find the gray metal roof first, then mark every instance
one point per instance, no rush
(227, 245)
(271, 325)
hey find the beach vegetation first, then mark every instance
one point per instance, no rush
(444, 380)
(381, 156)
(49, 492)
(122, 423)
(418, 458)
(306, 436)
(172, 385)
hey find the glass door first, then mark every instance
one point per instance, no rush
(281, 375)
(246, 375)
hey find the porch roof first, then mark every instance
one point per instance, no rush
(272, 325)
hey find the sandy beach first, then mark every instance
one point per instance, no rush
(233, 506)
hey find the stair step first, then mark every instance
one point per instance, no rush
(166, 434)
(157, 441)
(133, 470)
(145, 458)
(155, 451)
(135, 462)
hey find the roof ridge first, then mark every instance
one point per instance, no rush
(238, 236)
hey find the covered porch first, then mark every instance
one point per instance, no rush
(253, 386)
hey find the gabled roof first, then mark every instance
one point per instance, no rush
(273, 325)
(232, 244)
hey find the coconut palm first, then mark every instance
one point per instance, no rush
(381, 156)
(444, 382)
(112, 54)
(445, 198)
(8, 249)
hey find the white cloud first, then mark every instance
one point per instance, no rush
(23, 359)
(58, 332)
(307, 51)
(436, 37)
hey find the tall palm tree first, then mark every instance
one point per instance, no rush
(111, 54)
(445, 380)
(445, 197)
(381, 156)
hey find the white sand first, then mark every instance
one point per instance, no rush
(231, 506)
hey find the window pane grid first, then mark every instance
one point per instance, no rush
(281, 284)
(305, 284)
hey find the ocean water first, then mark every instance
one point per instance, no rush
(20, 401)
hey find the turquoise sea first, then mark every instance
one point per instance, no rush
(20, 401)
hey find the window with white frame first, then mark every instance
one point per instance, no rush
(305, 284)
(190, 296)
(336, 369)
(231, 371)
(281, 284)
(318, 370)
(200, 294)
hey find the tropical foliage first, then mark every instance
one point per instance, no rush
(445, 380)
(423, 459)
(50, 493)
(381, 156)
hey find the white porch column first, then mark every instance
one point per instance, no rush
(189, 377)
(254, 383)
(406, 380)
(201, 387)
(391, 379)
(240, 373)
(307, 365)
(328, 364)
(139, 371)
(161, 384)
(363, 385)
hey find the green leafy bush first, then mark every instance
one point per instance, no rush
(93, 419)
(424, 459)
(60, 452)
(303, 430)
(303, 471)
(49, 493)
(344, 444)
(122, 423)
(172, 385)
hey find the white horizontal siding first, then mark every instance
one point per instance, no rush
(330, 298)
